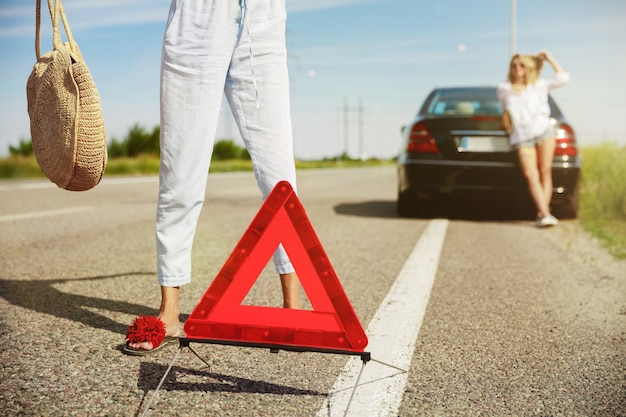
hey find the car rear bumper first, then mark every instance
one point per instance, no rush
(440, 180)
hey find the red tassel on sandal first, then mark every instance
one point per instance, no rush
(146, 329)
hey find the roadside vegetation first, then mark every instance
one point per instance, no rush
(602, 209)
(602, 196)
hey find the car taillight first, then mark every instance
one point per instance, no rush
(565, 141)
(420, 140)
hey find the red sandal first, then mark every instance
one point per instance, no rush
(147, 329)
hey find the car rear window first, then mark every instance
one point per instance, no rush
(463, 101)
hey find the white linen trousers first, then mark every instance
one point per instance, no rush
(211, 48)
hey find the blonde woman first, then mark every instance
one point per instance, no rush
(526, 116)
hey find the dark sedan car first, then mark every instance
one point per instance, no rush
(456, 151)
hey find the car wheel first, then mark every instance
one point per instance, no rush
(568, 210)
(408, 206)
(405, 206)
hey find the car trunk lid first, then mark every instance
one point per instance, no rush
(470, 138)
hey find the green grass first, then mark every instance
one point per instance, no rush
(602, 195)
(20, 167)
(142, 165)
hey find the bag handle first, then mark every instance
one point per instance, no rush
(56, 10)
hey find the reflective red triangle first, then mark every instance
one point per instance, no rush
(332, 324)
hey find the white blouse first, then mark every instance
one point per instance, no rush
(529, 109)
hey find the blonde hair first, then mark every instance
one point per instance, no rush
(532, 64)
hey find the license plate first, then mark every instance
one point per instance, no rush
(484, 144)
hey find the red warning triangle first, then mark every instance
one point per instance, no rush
(331, 324)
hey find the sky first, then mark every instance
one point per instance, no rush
(359, 69)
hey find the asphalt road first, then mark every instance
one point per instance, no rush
(517, 322)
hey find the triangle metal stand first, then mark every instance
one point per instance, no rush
(185, 342)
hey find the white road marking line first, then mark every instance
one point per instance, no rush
(35, 185)
(392, 334)
(35, 214)
(10, 185)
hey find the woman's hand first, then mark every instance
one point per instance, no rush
(506, 121)
(545, 55)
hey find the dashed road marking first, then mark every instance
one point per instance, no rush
(36, 185)
(36, 214)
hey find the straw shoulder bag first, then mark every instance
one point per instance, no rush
(66, 123)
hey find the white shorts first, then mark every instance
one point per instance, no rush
(531, 143)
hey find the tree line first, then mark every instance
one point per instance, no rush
(140, 141)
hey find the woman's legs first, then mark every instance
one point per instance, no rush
(545, 154)
(197, 56)
(197, 47)
(528, 159)
(290, 285)
(257, 89)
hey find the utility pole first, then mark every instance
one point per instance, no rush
(513, 45)
(346, 126)
(361, 137)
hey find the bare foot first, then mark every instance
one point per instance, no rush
(168, 313)
(172, 329)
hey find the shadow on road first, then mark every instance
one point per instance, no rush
(474, 211)
(43, 297)
(187, 379)
(381, 209)
(194, 380)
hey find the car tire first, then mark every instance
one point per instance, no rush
(409, 206)
(406, 206)
(568, 210)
